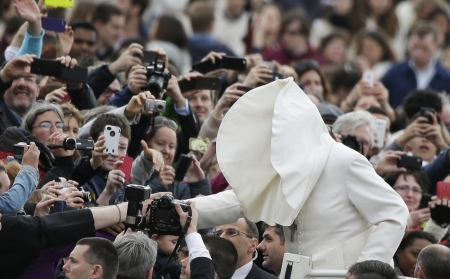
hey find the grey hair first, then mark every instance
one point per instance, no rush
(352, 120)
(137, 254)
(37, 109)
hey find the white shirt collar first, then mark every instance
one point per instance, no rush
(243, 271)
(424, 76)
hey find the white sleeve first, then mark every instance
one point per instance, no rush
(196, 247)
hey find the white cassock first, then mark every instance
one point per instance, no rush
(276, 153)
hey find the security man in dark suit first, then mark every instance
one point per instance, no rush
(244, 235)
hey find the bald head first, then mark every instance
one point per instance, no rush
(433, 262)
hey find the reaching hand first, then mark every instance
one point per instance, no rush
(98, 156)
(43, 207)
(128, 59)
(440, 212)
(184, 215)
(69, 62)
(388, 162)
(195, 172)
(153, 155)
(419, 216)
(214, 56)
(57, 95)
(17, 67)
(231, 95)
(137, 103)
(167, 175)
(258, 74)
(73, 197)
(64, 42)
(28, 10)
(137, 79)
(31, 155)
(116, 178)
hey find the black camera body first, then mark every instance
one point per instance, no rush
(164, 218)
(78, 144)
(18, 150)
(136, 194)
(352, 142)
(157, 79)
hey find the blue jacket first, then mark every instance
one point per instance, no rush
(438, 170)
(401, 79)
(24, 184)
(97, 184)
(202, 44)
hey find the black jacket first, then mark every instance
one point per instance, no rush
(202, 268)
(258, 273)
(22, 238)
(100, 79)
(173, 269)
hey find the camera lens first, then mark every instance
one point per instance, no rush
(160, 107)
(70, 144)
(112, 133)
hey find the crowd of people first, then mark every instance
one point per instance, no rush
(375, 73)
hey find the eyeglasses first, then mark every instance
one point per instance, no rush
(230, 232)
(46, 126)
(159, 121)
(108, 92)
(406, 189)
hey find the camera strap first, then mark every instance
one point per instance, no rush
(180, 239)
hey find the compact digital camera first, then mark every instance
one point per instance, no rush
(155, 105)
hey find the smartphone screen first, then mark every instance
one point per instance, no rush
(126, 167)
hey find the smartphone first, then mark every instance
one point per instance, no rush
(60, 3)
(245, 88)
(275, 76)
(426, 198)
(112, 136)
(380, 131)
(184, 162)
(200, 145)
(66, 99)
(410, 162)
(426, 112)
(227, 62)
(53, 68)
(443, 190)
(126, 167)
(208, 83)
(59, 206)
(369, 77)
(53, 24)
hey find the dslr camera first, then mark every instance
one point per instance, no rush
(155, 105)
(136, 194)
(353, 142)
(164, 218)
(157, 79)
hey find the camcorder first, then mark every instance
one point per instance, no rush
(78, 144)
(155, 105)
(157, 79)
(136, 194)
(164, 218)
(352, 142)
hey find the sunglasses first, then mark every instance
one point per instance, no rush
(159, 121)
